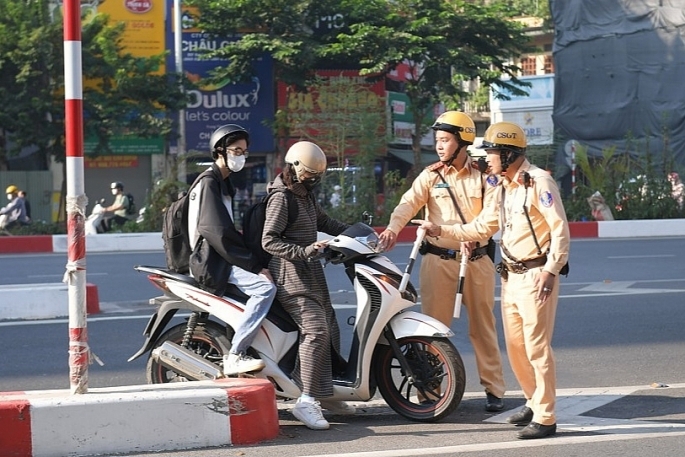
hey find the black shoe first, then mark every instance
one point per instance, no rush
(493, 404)
(523, 417)
(535, 430)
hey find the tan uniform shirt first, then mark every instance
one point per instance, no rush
(468, 185)
(546, 213)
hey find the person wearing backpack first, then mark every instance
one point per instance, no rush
(219, 254)
(302, 289)
(117, 212)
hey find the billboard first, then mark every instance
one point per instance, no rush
(249, 104)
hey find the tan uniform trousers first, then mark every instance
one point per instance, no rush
(439, 280)
(528, 329)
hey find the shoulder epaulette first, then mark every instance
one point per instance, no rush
(435, 166)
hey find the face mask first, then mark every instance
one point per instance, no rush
(114, 191)
(235, 164)
(310, 183)
(9, 196)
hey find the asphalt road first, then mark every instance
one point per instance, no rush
(620, 322)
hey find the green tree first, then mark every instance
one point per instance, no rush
(122, 94)
(445, 43)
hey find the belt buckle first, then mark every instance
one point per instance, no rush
(518, 267)
(448, 254)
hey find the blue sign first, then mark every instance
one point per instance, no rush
(250, 104)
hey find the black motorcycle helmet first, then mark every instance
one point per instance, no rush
(225, 135)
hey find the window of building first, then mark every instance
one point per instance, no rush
(528, 66)
(549, 64)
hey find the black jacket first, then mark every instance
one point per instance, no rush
(222, 244)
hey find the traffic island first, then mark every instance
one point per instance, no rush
(143, 418)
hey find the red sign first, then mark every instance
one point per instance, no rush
(138, 6)
(115, 161)
(317, 109)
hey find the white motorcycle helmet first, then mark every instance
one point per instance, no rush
(307, 157)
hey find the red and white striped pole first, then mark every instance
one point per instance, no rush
(75, 275)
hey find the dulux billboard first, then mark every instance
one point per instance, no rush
(250, 105)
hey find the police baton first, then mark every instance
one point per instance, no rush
(460, 287)
(420, 235)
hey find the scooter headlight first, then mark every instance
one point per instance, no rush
(409, 293)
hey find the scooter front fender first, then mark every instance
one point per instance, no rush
(411, 323)
(159, 321)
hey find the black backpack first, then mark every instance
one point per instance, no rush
(131, 208)
(253, 224)
(175, 233)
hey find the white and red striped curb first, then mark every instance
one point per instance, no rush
(152, 241)
(146, 418)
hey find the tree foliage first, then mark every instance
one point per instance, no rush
(122, 94)
(445, 42)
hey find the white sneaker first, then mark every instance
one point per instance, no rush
(241, 363)
(338, 407)
(309, 413)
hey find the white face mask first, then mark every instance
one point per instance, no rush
(114, 191)
(9, 196)
(235, 164)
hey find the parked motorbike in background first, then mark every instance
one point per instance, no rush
(406, 355)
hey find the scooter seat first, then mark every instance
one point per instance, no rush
(166, 273)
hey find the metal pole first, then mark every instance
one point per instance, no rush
(76, 201)
(178, 53)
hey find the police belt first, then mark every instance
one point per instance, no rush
(523, 266)
(448, 254)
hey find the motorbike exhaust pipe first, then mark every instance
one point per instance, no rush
(186, 363)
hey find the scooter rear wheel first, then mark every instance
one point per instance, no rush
(209, 339)
(439, 378)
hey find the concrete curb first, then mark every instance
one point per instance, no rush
(42, 301)
(152, 241)
(145, 418)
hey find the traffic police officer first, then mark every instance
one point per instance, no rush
(534, 246)
(453, 191)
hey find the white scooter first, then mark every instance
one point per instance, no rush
(405, 354)
(94, 223)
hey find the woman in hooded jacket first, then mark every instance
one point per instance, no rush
(301, 284)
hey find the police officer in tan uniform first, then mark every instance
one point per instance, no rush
(534, 246)
(454, 191)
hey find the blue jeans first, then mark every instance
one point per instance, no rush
(261, 292)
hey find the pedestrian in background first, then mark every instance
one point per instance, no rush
(534, 245)
(335, 196)
(27, 203)
(453, 191)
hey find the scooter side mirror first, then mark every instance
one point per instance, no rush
(367, 218)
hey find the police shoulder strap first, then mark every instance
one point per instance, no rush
(454, 199)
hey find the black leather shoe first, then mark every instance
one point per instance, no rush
(522, 417)
(535, 430)
(493, 404)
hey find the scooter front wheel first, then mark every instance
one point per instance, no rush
(209, 340)
(438, 382)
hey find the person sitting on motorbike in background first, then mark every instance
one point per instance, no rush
(210, 221)
(116, 212)
(302, 288)
(15, 211)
